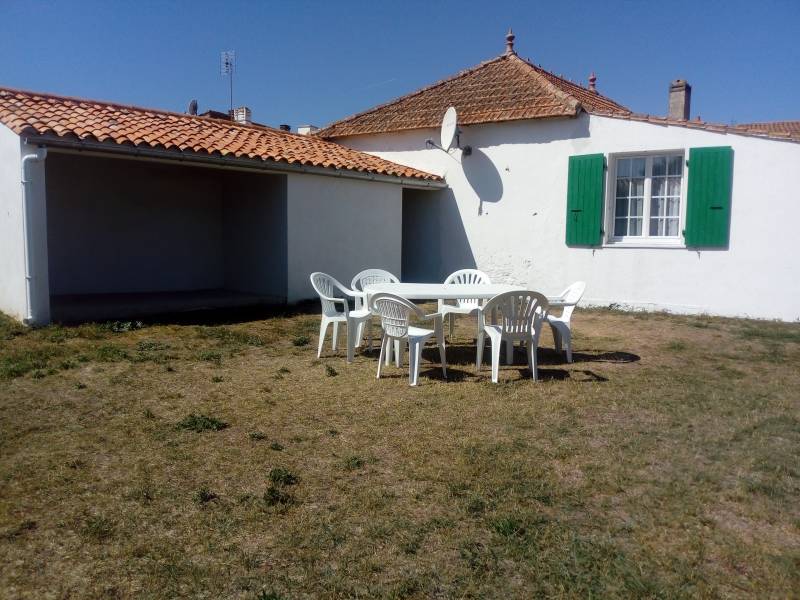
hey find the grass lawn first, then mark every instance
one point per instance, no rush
(212, 460)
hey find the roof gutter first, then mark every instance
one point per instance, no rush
(250, 164)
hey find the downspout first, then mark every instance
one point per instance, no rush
(38, 156)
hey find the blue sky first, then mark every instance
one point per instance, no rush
(314, 62)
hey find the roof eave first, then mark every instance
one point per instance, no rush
(214, 160)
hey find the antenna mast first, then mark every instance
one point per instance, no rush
(227, 67)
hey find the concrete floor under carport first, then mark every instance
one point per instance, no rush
(130, 237)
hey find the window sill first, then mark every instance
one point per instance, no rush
(673, 244)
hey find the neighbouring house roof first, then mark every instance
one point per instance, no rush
(64, 118)
(788, 131)
(776, 128)
(505, 88)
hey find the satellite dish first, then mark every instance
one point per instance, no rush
(449, 128)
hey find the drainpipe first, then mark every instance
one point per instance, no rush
(38, 156)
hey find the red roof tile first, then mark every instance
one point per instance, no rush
(29, 113)
(505, 88)
(789, 128)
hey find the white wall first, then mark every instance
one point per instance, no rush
(12, 262)
(340, 226)
(511, 208)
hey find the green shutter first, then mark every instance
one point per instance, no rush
(585, 200)
(708, 203)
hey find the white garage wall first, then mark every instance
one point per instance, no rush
(12, 261)
(340, 226)
(123, 226)
(511, 208)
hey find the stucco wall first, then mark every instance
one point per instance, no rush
(254, 234)
(12, 264)
(340, 226)
(511, 205)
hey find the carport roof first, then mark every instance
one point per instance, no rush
(64, 118)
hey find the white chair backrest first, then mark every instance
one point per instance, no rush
(520, 312)
(572, 295)
(468, 276)
(370, 276)
(395, 312)
(326, 286)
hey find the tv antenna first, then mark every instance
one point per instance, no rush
(228, 67)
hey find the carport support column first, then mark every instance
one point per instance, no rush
(34, 230)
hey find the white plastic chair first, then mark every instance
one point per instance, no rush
(463, 306)
(562, 330)
(522, 314)
(395, 313)
(327, 287)
(362, 280)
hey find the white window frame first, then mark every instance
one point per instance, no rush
(644, 241)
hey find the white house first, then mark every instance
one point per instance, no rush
(565, 184)
(109, 210)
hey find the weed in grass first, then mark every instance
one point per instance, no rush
(217, 379)
(149, 414)
(352, 463)
(204, 496)
(98, 528)
(151, 346)
(479, 557)
(275, 496)
(333, 432)
(676, 346)
(280, 476)
(143, 494)
(330, 371)
(111, 353)
(169, 369)
(507, 526)
(15, 532)
(39, 374)
(257, 436)
(301, 340)
(476, 506)
(199, 423)
(269, 595)
(123, 326)
(80, 386)
(17, 364)
(276, 446)
(230, 337)
(66, 365)
(284, 370)
(211, 356)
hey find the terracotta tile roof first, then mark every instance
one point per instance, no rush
(787, 128)
(29, 113)
(779, 130)
(505, 88)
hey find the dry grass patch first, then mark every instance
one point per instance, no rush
(223, 459)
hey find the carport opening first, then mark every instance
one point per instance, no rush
(130, 237)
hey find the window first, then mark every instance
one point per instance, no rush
(647, 200)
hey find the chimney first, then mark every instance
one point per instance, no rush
(242, 115)
(680, 99)
(285, 127)
(307, 129)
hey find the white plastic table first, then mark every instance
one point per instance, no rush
(449, 291)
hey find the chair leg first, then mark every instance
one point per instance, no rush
(368, 324)
(442, 357)
(398, 353)
(451, 324)
(387, 357)
(480, 348)
(414, 354)
(556, 338)
(509, 352)
(567, 336)
(335, 334)
(384, 344)
(323, 328)
(352, 333)
(496, 344)
(532, 359)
